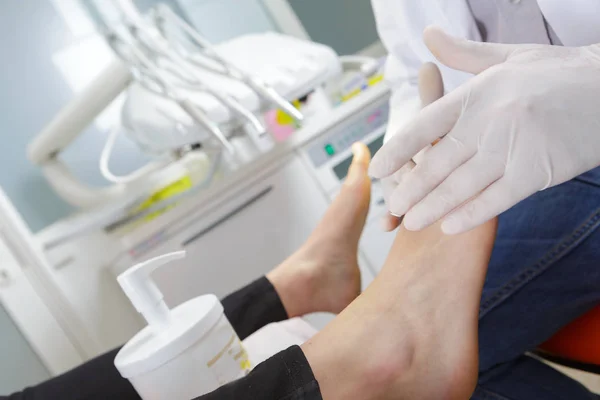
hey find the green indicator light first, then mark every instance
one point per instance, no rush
(329, 149)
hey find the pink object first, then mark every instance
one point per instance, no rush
(279, 131)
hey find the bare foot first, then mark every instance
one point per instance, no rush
(323, 275)
(413, 333)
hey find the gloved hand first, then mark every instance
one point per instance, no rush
(431, 88)
(529, 121)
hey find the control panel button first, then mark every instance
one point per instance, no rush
(329, 149)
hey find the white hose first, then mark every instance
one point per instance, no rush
(105, 158)
(76, 192)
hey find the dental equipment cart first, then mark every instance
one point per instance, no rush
(235, 231)
(267, 212)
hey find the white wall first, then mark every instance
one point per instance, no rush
(32, 90)
(346, 26)
(220, 20)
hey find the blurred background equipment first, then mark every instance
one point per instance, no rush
(196, 108)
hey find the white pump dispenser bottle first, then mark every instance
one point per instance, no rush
(183, 353)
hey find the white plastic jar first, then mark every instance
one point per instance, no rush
(183, 353)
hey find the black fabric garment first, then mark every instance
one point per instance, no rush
(253, 307)
(285, 376)
(248, 310)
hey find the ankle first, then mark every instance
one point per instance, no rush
(388, 373)
(294, 283)
(365, 361)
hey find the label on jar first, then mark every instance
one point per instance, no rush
(231, 362)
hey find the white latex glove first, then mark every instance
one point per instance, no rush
(529, 121)
(431, 88)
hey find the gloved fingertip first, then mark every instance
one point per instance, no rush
(433, 30)
(399, 204)
(452, 225)
(435, 35)
(380, 168)
(412, 223)
(435, 39)
(389, 222)
(375, 170)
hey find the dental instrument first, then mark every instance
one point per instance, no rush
(209, 58)
(178, 111)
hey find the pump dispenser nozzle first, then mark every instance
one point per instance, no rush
(143, 292)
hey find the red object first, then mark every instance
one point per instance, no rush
(579, 341)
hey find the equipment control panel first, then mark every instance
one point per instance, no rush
(330, 155)
(340, 138)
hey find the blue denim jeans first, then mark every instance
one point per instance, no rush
(544, 272)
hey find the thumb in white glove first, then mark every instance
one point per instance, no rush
(530, 120)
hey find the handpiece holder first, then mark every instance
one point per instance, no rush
(143, 293)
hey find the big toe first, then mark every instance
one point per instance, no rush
(356, 190)
(358, 171)
(349, 209)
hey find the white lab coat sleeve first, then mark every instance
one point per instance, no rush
(403, 63)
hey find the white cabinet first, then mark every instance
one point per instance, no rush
(19, 363)
(243, 236)
(251, 231)
(46, 347)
